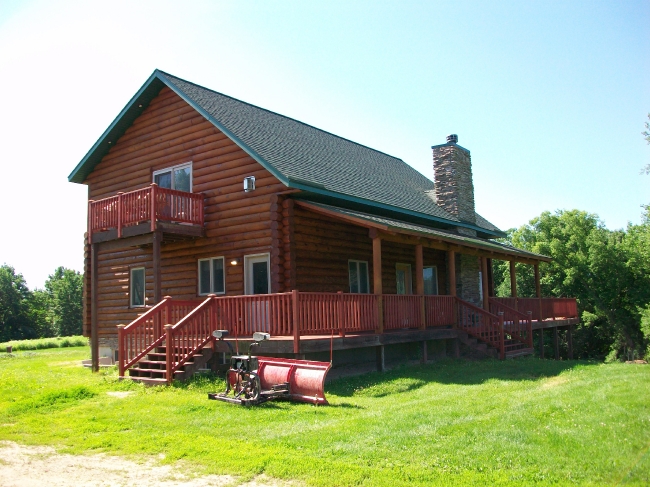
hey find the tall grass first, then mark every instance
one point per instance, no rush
(41, 343)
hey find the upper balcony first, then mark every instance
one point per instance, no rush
(177, 214)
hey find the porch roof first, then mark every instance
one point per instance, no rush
(444, 238)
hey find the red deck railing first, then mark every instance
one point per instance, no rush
(481, 324)
(297, 314)
(148, 330)
(518, 326)
(550, 308)
(147, 204)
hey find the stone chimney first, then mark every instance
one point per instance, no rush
(452, 175)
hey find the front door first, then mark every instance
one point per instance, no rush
(404, 280)
(257, 281)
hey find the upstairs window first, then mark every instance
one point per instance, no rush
(176, 177)
(358, 270)
(212, 276)
(137, 287)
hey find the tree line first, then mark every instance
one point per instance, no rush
(608, 271)
(54, 311)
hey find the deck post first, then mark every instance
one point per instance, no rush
(341, 314)
(569, 341)
(157, 292)
(169, 343)
(153, 206)
(502, 337)
(377, 281)
(513, 282)
(541, 343)
(296, 321)
(381, 358)
(490, 271)
(538, 292)
(120, 350)
(419, 283)
(484, 284)
(94, 300)
(556, 343)
(425, 352)
(90, 221)
(119, 213)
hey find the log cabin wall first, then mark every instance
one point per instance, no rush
(170, 132)
(324, 245)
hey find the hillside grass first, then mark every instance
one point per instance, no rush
(41, 343)
(518, 422)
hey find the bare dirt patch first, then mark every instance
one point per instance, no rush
(119, 394)
(554, 382)
(31, 466)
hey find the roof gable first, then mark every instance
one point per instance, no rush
(298, 154)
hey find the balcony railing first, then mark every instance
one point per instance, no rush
(543, 308)
(150, 204)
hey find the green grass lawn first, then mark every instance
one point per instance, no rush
(518, 422)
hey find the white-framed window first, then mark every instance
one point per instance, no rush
(358, 271)
(430, 275)
(176, 177)
(137, 288)
(212, 276)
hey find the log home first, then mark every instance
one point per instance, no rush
(206, 212)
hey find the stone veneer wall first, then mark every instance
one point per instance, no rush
(467, 281)
(452, 174)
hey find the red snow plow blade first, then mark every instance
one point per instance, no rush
(306, 378)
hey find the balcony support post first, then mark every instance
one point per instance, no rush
(94, 295)
(556, 343)
(157, 292)
(569, 341)
(119, 214)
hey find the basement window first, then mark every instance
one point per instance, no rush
(137, 287)
(176, 177)
(358, 270)
(212, 278)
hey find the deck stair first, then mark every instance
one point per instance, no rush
(151, 370)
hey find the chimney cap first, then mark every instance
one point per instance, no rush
(452, 139)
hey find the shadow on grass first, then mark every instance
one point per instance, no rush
(411, 377)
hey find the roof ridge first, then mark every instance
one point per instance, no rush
(289, 118)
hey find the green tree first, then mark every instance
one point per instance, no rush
(15, 323)
(65, 290)
(607, 271)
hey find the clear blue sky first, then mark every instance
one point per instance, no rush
(550, 97)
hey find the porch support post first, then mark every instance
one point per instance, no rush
(377, 282)
(484, 284)
(157, 292)
(419, 285)
(569, 341)
(381, 358)
(541, 343)
(538, 292)
(490, 278)
(451, 272)
(556, 343)
(94, 295)
(513, 281)
(425, 357)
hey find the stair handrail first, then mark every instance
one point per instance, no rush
(491, 332)
(184, 339)
(511, 314)
(136, 329)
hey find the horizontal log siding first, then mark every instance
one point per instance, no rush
(169, 132)
(324, 246)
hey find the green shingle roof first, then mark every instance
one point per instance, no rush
(298, 154)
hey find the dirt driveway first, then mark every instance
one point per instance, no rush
(31, 466)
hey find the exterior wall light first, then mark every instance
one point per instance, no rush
(234, 262)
